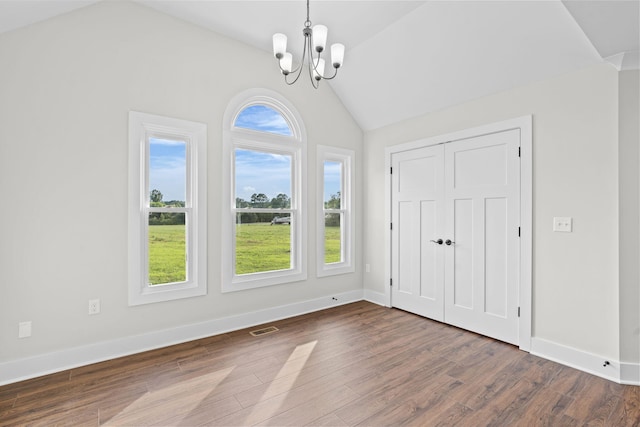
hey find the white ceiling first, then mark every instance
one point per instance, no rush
(407, 58)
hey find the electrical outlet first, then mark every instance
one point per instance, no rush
(94, 306)
(367, 268)
(24, 329)
(562, 224)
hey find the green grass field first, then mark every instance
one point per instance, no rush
(262, 247)
(331, 245)
(266, 247)
(259, 247)
(167, 249)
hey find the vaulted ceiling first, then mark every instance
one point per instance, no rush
(407, 58)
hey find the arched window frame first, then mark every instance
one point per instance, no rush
(294, 145)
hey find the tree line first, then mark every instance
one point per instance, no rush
(261, 200)
(281, 201)
(165, 218)
(258, 200)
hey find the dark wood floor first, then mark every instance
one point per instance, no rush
(358, 364)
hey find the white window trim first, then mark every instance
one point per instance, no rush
(143, 126)
(295, 145)
(347, 159)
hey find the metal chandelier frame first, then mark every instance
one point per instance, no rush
(314, 64)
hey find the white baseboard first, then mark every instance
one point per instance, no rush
(375, 297)
(578, 359)
(630, 373)
(18, 370)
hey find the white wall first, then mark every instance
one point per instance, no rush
(66, 86)
(575, 159)
(629, 132)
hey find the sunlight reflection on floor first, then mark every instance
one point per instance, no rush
(299, 356)
(169, 401)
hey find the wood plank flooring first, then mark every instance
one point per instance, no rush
(354, 365)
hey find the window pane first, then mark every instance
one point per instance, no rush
(263, 242)
(263, 180)
(332, 238)
(167, 248)
(332, 184)
(167, 172)
(264, 119)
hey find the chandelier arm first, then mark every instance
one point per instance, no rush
(314, 63)
(335, 73)
(294, 80)
(290, 72)
(298, 70)
(300, 67)
(315, 83)
(312, 66)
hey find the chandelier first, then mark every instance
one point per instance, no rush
(315, 40)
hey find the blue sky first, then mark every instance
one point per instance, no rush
(167, 168)
(332, 178)
(256, 172)
(263, 118)
(268, 173)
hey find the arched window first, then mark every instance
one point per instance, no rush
(264, 223)
(262, 118)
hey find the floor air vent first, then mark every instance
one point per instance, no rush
(263, 331)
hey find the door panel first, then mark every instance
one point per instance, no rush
(463, 253)
(417, 175)
(495, 245)
(428, 262)
(480, 167)
(417, 216)
(406, 248)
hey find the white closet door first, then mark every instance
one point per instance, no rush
(455, 230)
(482, 202)
(418, 218)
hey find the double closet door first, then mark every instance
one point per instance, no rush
(455, 231)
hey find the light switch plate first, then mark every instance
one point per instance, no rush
(562, 224)
(24, 329)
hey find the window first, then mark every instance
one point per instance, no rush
(264, 223)
(335, 216)
(167, 208)
(262, 118)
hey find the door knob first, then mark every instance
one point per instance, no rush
(448, 242)
(439, 241)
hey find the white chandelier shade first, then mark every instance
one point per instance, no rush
(319, 37)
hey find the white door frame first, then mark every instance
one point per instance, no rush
(525, 125)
